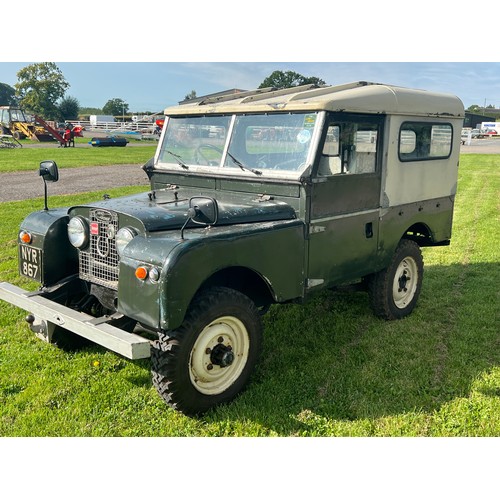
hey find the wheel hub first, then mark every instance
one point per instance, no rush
(403, 280)
(222, 355)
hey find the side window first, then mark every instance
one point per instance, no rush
(349, 148)
(424, 141)
(331, 147)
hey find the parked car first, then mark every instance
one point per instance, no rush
(475, 134)
(465, 135)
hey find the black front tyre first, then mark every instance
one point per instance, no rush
(394, 291)
(18, 135)
(209, 359)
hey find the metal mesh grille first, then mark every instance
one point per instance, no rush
(99, 263)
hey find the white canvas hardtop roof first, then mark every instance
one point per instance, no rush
(363, 97)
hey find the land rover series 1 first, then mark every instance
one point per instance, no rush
(256, 198)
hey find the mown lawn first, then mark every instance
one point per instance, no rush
(328, 368)
(14, 160)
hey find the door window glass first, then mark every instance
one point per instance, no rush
(349, 148)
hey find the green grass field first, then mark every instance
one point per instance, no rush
(328, 368)
(14, 160)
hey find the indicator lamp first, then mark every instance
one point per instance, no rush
(25, 237)
(141, 273)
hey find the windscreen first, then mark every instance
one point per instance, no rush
(196, 140)
(272, 142)
(258, 143)
(17, 115)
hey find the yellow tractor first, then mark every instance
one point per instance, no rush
(13, 121)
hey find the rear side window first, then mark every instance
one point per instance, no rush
(424, 141)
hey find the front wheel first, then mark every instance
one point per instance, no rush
(210, 358)
(394, 291)
(18, 135)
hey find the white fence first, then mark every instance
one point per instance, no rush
(139, 129)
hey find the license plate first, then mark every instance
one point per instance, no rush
(30, 262)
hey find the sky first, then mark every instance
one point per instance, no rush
(153, 56)
(152, 86)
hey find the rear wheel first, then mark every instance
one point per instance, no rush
(210, 358)
(394, 291)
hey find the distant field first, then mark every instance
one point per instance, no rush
(328, 368)
(14, 160)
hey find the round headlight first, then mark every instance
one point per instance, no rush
(78, 232)
(123, 237)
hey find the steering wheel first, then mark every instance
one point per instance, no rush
(283, 164)
(200, 156)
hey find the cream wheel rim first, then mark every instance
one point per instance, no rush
(219, 355)
(405, 282)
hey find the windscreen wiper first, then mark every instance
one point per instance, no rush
(178, 159)
(243, 167)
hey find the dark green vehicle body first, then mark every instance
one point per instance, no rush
(276, 233)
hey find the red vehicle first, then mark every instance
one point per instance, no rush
(159, 126)
(77, 129)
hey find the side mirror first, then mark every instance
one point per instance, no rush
(49, 171)
(203, 211)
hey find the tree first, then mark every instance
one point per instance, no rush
(69, 108)
(115, 107)
(39, 87)
(287, 79)
(474, 108)
(7, 95)
(90, 111)
(191, 95)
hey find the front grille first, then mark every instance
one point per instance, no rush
(99, 263)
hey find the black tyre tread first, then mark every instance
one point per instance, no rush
(170, 377)
(380, 284)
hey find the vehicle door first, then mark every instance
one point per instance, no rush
(345, 200)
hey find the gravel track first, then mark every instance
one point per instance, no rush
(25, 185)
